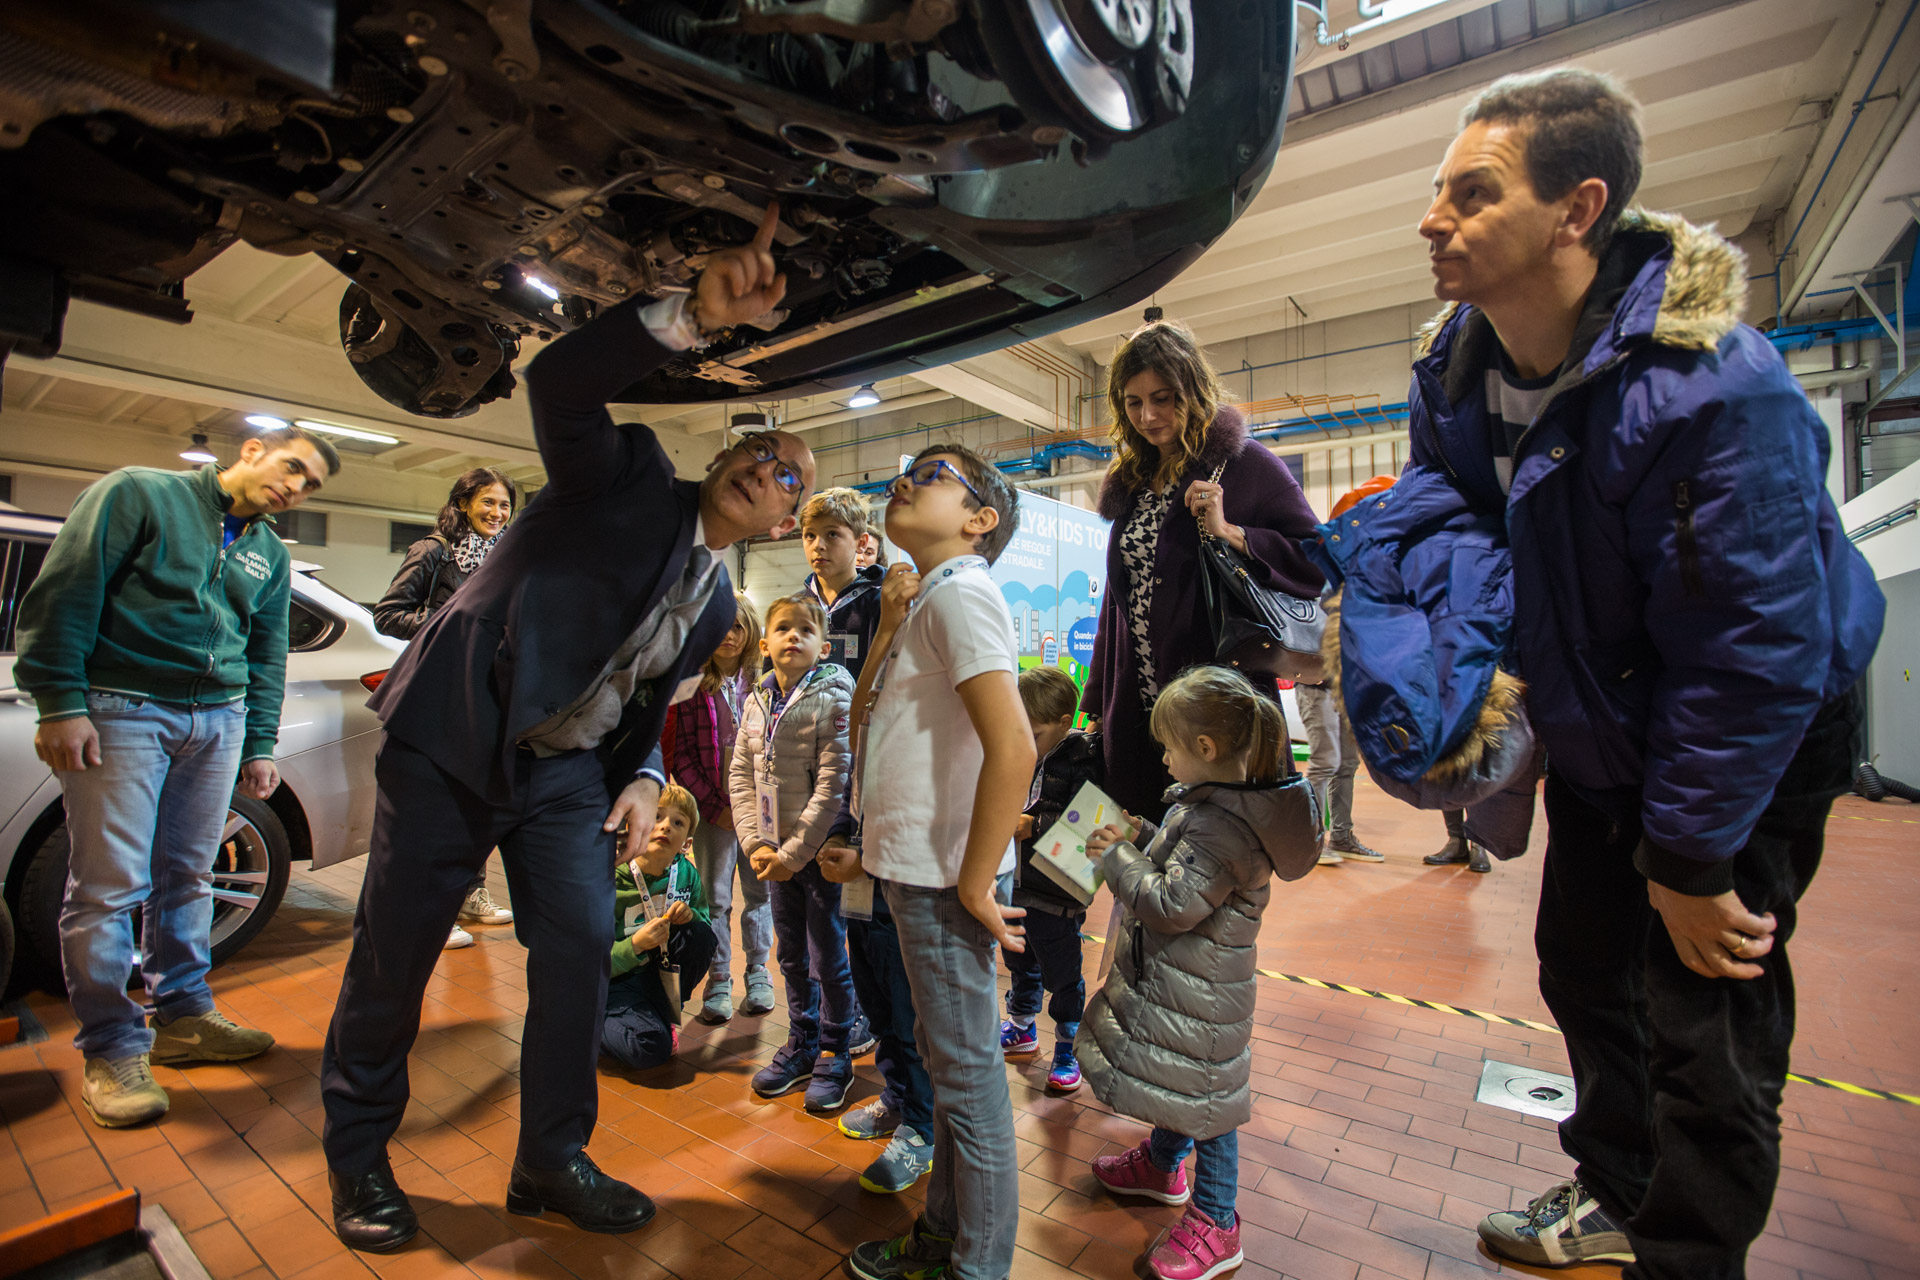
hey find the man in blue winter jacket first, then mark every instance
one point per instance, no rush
(1691, 624)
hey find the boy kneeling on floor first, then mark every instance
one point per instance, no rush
(662, 935)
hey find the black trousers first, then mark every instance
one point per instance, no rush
(880, 981)
(429, 834)
(1050, 964)
(638, 1032)
(1676, 1128)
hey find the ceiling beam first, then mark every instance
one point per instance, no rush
(283, 279)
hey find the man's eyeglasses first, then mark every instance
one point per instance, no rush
(925, 473)
(757, 446)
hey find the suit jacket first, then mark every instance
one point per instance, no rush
(571, 579)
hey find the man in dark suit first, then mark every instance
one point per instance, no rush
(527, 714)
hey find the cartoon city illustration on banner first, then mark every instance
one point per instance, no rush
(1052, 574)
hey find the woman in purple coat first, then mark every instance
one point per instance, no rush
(1170, 434)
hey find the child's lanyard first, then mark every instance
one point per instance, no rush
(773, 718)
(653, 907)
(886, 666)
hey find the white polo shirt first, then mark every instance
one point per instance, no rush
(921, 760)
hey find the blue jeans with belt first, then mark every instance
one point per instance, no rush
(145, 827)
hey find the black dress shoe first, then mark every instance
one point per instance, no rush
(580, 1191)
(1455, 850)
(1478, 862)
(370, 1212)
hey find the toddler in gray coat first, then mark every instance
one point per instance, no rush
(1167, 1040)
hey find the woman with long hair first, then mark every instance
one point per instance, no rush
(698, 745)
(470, 523)
(1183, 463)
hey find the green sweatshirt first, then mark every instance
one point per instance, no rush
(137, 597)
(680, 882)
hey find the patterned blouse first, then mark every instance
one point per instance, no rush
(1138, 541)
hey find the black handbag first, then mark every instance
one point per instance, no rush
(1256, 629)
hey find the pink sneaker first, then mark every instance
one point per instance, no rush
(1131, 1173)
(1195, 1249)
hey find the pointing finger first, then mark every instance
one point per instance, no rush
(770, 223)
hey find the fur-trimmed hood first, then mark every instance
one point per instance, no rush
(1225, 438)
(1703, 291)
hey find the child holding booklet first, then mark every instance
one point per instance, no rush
(1052, 962)
(946, 757)
(1167, 1040)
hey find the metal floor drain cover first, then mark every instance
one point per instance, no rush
(1525, 1089)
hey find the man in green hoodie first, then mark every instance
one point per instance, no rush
(154, 643)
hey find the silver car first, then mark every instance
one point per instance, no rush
(322, 812)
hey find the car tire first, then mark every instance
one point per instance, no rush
(250, 876)
(6, 945)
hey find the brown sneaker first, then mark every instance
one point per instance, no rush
(121, 1091)
(207, 1037)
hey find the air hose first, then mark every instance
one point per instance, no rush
(1867, 782)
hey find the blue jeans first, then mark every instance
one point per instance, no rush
(1216, 1168)
(880, 980)
(145, 827)
(813, 959)
(1051, 963)
(716, 854)
(973, 1193)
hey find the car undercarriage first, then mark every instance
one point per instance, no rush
(952, 175)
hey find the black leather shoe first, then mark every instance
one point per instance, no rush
(370, 1212)
(580, 1191)
(1478, 862)
(1455, 850)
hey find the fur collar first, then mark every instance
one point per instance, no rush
(1705, 292)
(1225, 438)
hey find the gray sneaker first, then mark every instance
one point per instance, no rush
(1328, 857)
(208, 1037)
(1351, 850)
(870, 1120)
(480, 908)
(1559, 1228)
(121, 1091)
(759, 992)
(718, 1006)
(904, 1162)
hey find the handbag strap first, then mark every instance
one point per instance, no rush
(1212, 479)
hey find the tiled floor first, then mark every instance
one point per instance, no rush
(1367, 1157)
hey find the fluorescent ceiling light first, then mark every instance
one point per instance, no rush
(350, 433)
(266, 422)
(865, 396)
(544, 287)
(199, 452)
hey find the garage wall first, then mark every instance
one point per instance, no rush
(44, 495)
(355, 562)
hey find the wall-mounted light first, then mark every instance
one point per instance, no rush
(865, 396)
(349, 433)
(199, 452)
(266, 422)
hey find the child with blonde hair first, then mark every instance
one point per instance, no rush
(663, 939)
(1167, 1040)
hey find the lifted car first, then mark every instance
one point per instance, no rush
(953, 175)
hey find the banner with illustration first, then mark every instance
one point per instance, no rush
(1052, 574)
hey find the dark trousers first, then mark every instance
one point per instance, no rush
(638, 1031)
(812, 943)
(1051, 963)
(429, 835)
(880, 980)
(1678, 1077)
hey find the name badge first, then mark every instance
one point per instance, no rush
(856, 898)
(766, 794)
(843, 646)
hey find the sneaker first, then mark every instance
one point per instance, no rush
(904, 1162)
(1453, 851)
(1351, 850)
(1196, 1249)
(870, 1120)
(832, 1077)
(918, 1255)
(759, 999)
(1563, 1226)
(1015, 1039)
(482, 909)
(121, 1091)
(792, 1067)
(1065, 1076)
(718, 1006)
(1477, 861)
(457, 939)
(860, 1038)
(1132, 1173)
(1327, 856)
(207, 1037)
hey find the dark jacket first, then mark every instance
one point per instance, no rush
(426, 580)
(1263, 498)
(1168, 1039)
(137, 596)
(1078, 760)
(537, 623)
(852, 618)
(1684, 597)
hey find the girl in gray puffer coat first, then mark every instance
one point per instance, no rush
(1168, 1039)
